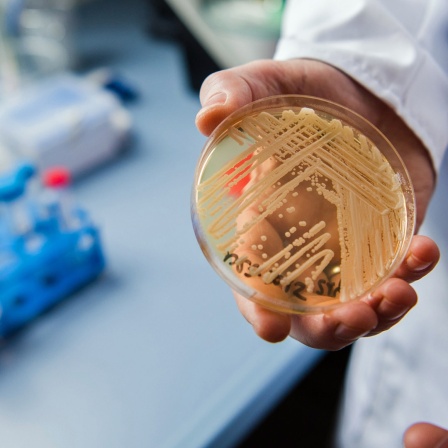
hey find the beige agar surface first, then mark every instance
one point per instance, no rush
(303, 210)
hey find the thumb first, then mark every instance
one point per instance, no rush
(425, 435)
(221, 93)
(225, 91)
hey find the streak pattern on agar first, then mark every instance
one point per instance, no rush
(291, 159)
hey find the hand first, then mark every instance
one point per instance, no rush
(226, 91)
(425, 435)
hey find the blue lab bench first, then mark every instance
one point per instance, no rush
(153, 353)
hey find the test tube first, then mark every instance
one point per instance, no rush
(58, 199)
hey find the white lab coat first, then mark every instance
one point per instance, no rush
(398, 49)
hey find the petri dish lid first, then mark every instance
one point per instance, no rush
(301, 205)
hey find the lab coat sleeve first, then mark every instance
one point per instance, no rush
(395, 48)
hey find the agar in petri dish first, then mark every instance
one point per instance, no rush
(301, 205)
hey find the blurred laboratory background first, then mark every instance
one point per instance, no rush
(115, 332)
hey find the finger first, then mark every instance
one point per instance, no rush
(268, 325)
(422, 257)
(425, 435)
(391, 301)
(336, 329)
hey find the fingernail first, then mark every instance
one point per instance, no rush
(391, 310)
(383, 306)
(417, 265)
(215, 99)
(346, 333)
(373, 298)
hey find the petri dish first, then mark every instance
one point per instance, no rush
(301, 205)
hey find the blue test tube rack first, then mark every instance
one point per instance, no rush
(42, 260)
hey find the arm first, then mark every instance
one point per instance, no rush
(396, 50)
(226, 91)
